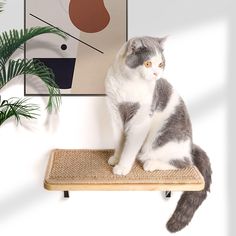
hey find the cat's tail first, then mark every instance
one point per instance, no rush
(190, 201)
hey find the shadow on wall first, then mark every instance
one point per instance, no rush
(25, 196)
(231, 129)
(20, 200)
(29, 195)
(104, 127)
(177, 15)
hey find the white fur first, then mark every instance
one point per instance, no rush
(135, 136)
(151, 165)
(120, 89)
(171, 150)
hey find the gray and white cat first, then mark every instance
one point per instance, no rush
(151, 122)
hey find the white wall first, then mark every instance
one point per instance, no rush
(197, 55)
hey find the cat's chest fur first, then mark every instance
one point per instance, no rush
(134, 90)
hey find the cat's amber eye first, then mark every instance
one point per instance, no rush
(147, 64)
(161, 65)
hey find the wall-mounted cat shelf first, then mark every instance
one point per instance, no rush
(88, 170)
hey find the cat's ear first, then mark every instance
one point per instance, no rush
(162, 41)
(133, 45)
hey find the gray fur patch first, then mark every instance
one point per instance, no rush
(128, 110)
(142, 49)
(181, 163)
(161, 95)
(177, 128)
(138, 57)
(153, 43)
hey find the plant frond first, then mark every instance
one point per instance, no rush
(12, 40)
(1, 5)
(37, 68)
(17, 108)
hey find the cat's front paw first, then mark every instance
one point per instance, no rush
(113, 160)
(121, 170)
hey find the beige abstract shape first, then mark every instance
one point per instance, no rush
(91, 66)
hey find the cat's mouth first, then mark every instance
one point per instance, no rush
(155, 76)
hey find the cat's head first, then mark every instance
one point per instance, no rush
(144, 57)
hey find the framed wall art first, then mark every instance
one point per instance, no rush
(96, 29)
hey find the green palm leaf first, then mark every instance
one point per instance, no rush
(9, 43)
(17, 108)
(12, 40)
(1, 6)
(32, 67)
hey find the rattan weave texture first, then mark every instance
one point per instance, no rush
(83, 166)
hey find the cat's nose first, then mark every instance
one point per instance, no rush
(155, 73)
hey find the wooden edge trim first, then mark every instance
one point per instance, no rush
(100, 187)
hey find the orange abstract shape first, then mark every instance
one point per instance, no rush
(89, 16)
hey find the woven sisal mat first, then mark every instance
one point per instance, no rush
(89, 170)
